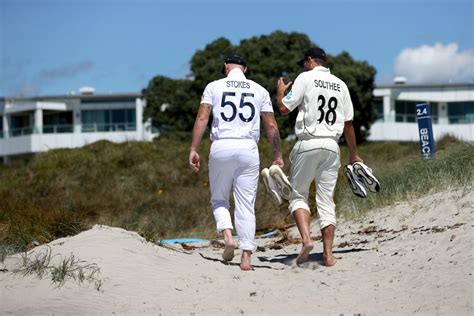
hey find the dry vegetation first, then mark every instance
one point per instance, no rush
(148, 188)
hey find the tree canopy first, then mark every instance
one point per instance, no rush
(172, 104)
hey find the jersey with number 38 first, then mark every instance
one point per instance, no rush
(323, 102)
(236, 106)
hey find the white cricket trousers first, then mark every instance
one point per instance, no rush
(235, 163)
(315, 160)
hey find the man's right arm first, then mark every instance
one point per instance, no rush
(273, 136)
(199, 127)
(280, 90)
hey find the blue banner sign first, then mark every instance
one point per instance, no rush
(425, 129)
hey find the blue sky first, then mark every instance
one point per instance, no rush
(50, 47)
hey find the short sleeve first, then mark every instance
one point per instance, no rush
(348, 107)
(266, 102)
(295, 96)
(207, 94)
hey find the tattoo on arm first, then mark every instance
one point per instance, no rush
(273, 133)
(205, 108)
(200, 124)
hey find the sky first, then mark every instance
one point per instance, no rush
(55, 47)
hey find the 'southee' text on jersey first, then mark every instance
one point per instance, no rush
(327, 85)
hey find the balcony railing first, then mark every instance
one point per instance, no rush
(20, 131)
(58, 129)
(114, 127)
(461, 119)
(69, 128)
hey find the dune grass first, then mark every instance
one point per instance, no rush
(149, 188)
(68, 268)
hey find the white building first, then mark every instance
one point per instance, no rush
(452, 107)
(36, 124)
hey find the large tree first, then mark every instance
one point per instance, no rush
(268, 57)
(171, 104)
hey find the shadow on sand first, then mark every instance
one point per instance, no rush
(289, 259)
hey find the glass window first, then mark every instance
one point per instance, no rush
(96, 120)
(118, 120)
(434, 112)
(21, 125)
(405, 111)
(118, 116)
(54, 122)
(108, 120)
(131, 117)
(1, 126)
(378, 108)
(131, 120)
(461, 112)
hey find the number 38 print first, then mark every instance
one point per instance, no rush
(327, 114)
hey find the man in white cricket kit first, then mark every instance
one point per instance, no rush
(325, 111)
(237, 104)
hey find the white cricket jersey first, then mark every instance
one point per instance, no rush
(236, 105)
(324, 104)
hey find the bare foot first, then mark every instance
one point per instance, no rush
(245, 261)
(329, 261)
(228, 253)
(304, 254)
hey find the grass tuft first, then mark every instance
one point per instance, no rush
(39, 263)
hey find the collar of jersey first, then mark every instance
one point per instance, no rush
(236, 72)
(320, 68)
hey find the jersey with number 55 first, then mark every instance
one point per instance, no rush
(236, 106)
(323, 102)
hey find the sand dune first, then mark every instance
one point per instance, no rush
(411, 258)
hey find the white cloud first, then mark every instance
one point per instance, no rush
(435, 64)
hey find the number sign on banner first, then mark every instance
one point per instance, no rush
(425, 129)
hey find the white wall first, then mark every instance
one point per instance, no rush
(388, 131)
(42, 142)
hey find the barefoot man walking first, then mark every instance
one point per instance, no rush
(325, 111)
(237, 104)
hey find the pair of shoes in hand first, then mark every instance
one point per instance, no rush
(276, 184)
(360, 179)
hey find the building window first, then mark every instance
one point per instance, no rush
(405, 111)
(57, 122)
(1, 126)
(378, 108)
(108, 120)
(21, 124)
(461, 112)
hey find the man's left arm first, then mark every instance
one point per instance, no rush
(349, 135)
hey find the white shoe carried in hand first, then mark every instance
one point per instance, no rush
(284, 186)
(367, 177)
(355, 182)
(271, 186)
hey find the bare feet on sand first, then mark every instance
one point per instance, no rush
(329, 261)
(245, 262)
(228, 253)
(304, 254)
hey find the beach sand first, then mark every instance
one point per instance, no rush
(410, 258)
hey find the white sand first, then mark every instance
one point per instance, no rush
(411, 258)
